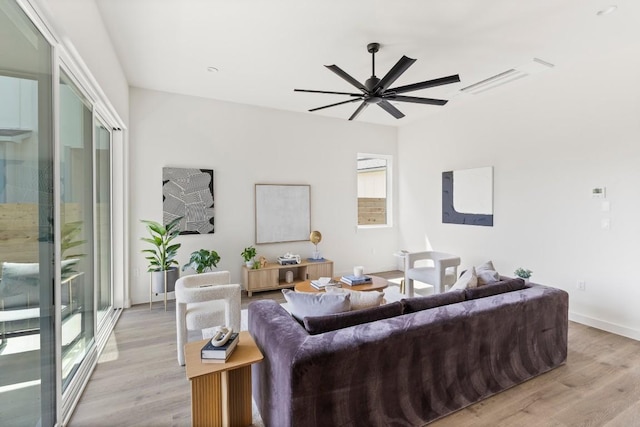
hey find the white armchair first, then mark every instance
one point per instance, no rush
(443, 272)
(204, 301)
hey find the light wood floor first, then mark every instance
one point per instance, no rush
(138, 381)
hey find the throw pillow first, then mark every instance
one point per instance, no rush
(501, 287)
(468, 279)
(411, 305)
(487, 273)
(359, 299)
(332, 322)
(17, 277)
(303, 304)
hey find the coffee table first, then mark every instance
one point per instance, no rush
(221, 392)
(377, 284)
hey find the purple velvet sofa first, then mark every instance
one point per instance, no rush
(423, 359)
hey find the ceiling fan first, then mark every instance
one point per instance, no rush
(377, 91)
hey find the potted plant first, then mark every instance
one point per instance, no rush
(523, 273)
(202, 260)
(162, 262)
(248, 254)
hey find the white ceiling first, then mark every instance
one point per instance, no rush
(265, 49)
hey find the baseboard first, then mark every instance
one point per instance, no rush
(605, 326)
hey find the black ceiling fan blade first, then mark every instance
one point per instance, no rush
(417, 100)
(360, 109)
(401, 66)
(426, 84)
(346, 77)
(386, 106)
(337, 103)
(326, 91)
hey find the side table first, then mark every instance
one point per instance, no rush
(221, 392)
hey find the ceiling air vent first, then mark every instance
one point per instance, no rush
(535, 66)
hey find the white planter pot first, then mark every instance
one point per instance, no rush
(250, 264)
(157, 280)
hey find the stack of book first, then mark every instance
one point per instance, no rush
(352, 280)
(211, 354)
(322, 283)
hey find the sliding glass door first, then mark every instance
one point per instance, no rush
(27, 218)
(76, 225)
(56, 284)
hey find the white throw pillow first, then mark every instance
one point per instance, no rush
(305, 304)
(469, 279)
(359, 299)
(487, 273)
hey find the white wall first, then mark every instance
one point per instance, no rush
(80, 26)
(247, 145)
(551, 138)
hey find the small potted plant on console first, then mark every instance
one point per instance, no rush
(248, 254)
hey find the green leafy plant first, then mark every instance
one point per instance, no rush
(202, 260)
(248, 253)
(162, 256)
(523, 273)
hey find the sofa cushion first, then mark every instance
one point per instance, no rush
(359, 299)
(332, 322)
(411, 305)
(468, 279)
(495, 288)
(487, 273)
(303, 304)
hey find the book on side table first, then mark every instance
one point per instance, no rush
(211, 354)
(353, 280)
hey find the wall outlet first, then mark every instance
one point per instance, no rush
(581, 285)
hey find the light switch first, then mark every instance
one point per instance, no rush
(605, 223)
(606, 206)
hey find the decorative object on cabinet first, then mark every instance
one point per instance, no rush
(274, 276)
(467, 196)
(283, 213)
(188, 193)
(315, 237)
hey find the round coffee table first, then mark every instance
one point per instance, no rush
(377, 284)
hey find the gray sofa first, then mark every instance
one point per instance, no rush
(423, 359)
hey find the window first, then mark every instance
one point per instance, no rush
(374, 189)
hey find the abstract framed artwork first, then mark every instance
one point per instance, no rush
(283, 213)
(467, 197)
(188, 193)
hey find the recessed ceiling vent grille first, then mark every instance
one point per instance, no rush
(535, 66)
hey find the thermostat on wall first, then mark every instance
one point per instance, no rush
(599, 193)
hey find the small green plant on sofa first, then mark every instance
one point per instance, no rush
(203, 260)
(523, 273)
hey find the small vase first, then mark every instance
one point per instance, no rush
(250, 263)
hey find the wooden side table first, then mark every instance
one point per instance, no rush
(221, 392)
